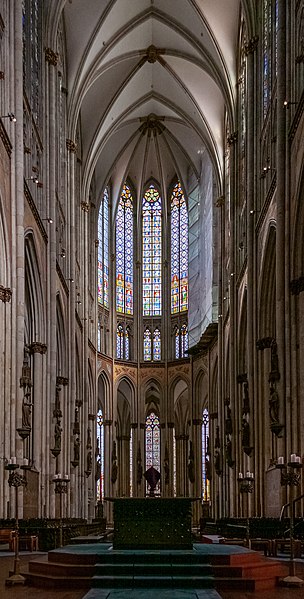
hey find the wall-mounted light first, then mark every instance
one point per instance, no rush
(33, 179)
(48, 220)
(71, 280)
(62, 253)
(9, 116)
(287, 103)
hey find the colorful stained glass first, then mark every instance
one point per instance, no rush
(103, 251)
(156, 345)
(205, 457)
(177, 347)
(124, 253)
(152, 251)
(127, 344)
(119, 342)
(266, 54)
(184, 340)
(147, 345)
(152, 441)
(179, 251)
(99, 456)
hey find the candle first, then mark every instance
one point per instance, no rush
(25, 462)
(66, 476)
(247, 474)
(13, 460)
(281, 460)
(293, 457)
(298, 459)
(240, 474)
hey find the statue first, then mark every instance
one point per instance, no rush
(228, 422)
(166, 466)
(191, 474)
(208, 469)
(26, 412)
(114, 471)
(57, 434)
(76, 449)
(218, 462)
(246, 406)
(89, 461)
(245, 433)
(228, 452)
(139, 466)
(274, 405)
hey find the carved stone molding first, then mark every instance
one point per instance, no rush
(197, 421)
(91, 417)
(51, 57)
(242, 378)
(71, 146)
(251, 45)
(5, 139)
(37, 348)
(170, 424)
(107, 422)
(5, 294)
(133, 425)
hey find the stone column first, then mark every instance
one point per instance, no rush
(256, 433)
(38, 350)
(51, 63)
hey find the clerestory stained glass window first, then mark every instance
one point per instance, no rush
(122, 342)
(181, 341)
(152, 443)
(152, 252)
(103, 250)
(124, 253)
(179, 251)
(156, 345)
(147, 345)
(205, 457)
(99, 457)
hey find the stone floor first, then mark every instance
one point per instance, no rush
(24, 592)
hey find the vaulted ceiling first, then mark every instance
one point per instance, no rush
(151, 81)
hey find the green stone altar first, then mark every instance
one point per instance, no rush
(152, 523)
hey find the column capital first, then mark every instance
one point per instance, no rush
(220, 201)
(71, 146)
(107, 422)
(232, 138)
(251, 45)
(37, 347)
(85, 206)
(51, 57)
(62, 380)
(5, 294)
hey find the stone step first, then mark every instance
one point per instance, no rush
(59, 569)
(152, 581)
(146, 569)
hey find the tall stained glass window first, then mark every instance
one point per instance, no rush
(156, 345)
(270, 33)
(152, 229)
(147, 345)
(205, 457)
(181, 341)
(179, 251)
(124, 252)
(99, 457)
(122, 342)
(103, 250)
(152, 442)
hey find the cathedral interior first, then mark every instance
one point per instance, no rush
(151, 256)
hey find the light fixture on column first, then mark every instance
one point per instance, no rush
(61, 487)
(287, 103)
(246, 485)
(48, 220)
(33, 179)
(71, 280)
(290, 477)
(62, 253)
(9, 116)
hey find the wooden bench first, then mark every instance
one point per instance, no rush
(281, 544)
(7, 535)
(28, 543)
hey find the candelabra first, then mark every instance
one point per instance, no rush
(290, 477)
(246, 485)
(15, 479)
(61, 488)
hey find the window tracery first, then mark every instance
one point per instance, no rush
(124, 253)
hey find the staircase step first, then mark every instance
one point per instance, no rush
(152, 581)
(59, 569)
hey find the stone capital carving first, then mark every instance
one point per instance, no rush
(220, 202)
(232, 138)
(62, 380)
(297, 285)
(37, 348)
(153, 54)
(251, 45)
(51, 57)
(264, 343)
(85, 206)
(71, 146)
(5, 294)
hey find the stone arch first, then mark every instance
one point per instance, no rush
(33, 296)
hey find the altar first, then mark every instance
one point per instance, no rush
(152, 522)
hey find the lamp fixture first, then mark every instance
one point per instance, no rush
(34, 179)
(71, 280)
(9, 116)
(287, 103)
(62, 253)
(49, 220)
